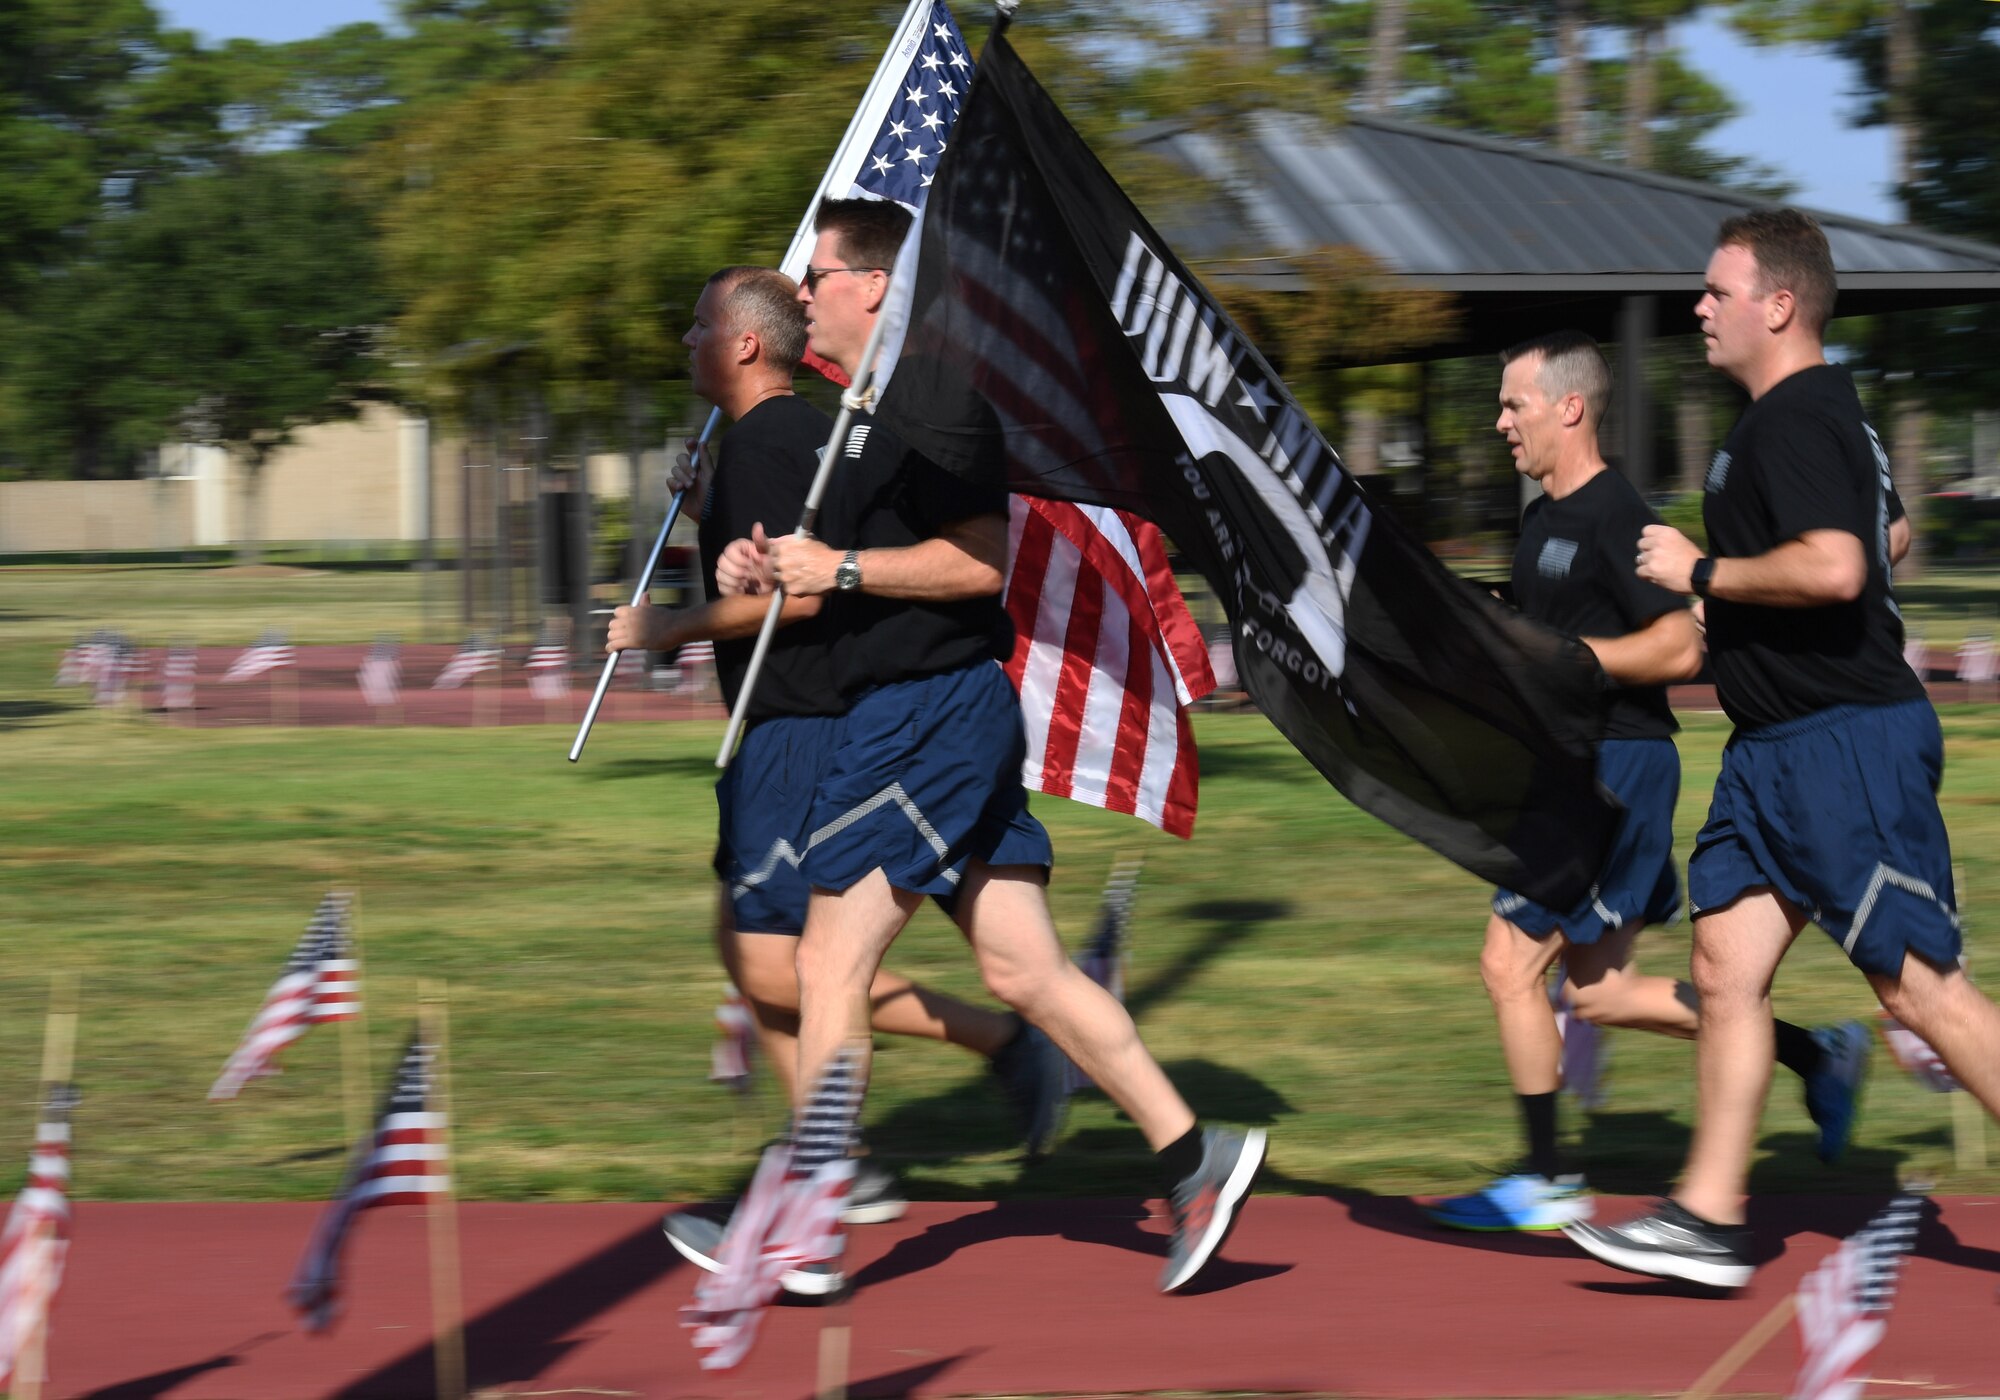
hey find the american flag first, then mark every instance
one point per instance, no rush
(35, 1243)
(1584, 1047)
(1976, 660)
(121, 663)
(401, 1162)
(1844, 1304)
(76, 664)
(548, 670)
(474, 657)
(790, 1217)
(898, 130)
(320, 983)
(1916, 656)
(268, 653)
(1916, 1056)
(1106, 660)
(381, 673)
(735, 1039)
(1103, 958)
(177, 682)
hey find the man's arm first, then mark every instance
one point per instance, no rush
(1818, 568)
(720, 620)
(967, 559)
(1665, 650)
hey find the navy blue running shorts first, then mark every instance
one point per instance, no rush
(1637, 884)
(1837, 811)
(927, 777)
(765, 800)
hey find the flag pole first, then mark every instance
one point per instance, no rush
(58, 1062)
(857, 396)
(640, 593)
(354, 1034)
(447, 1306)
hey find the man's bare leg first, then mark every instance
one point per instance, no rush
(1607, 990)
(1515, 968)
(1005, 916)
(1961, 1023)
(1736, 954)
(846, 935)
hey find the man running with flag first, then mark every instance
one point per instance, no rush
(744, 347)
(923, 795)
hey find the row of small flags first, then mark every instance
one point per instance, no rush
(109, 662)
(1976, 663)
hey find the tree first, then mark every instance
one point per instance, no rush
(233, 307)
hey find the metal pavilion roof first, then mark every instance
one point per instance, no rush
(1533, 238)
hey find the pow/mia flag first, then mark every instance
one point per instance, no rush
(1044, 337)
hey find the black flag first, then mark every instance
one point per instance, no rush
(1043, 336)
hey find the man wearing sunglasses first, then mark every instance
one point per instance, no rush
(924, 796)
(744, 346)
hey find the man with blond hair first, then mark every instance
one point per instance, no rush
(1826, 806)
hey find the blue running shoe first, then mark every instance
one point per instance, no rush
(1522, 1202)
(1833, 1091)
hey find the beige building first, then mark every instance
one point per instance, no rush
(378, 479)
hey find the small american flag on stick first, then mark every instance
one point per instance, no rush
(35, 1243)
(267, 654)
(1103, 958)
(548, 670)
(475, 657)
(320, 983)
(381, 673)
(789, 1218)
(1844, 1303)
(1916, 1056)
(403, 1161)
(177, 681)
(735, 1038)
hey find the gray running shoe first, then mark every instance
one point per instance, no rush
(874, 1196)
(1670, 1243)
(1031, 1069)
(1206, 1203)
(697, 1238)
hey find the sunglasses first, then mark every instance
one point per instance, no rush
(814, 274)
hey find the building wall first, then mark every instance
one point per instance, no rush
(95, 516)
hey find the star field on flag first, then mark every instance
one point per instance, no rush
(905, 151)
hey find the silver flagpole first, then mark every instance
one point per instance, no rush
(640, 593)
(852, 399)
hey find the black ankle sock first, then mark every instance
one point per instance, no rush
(1797, 1050)
(1538, 1115)
(1181, 1158)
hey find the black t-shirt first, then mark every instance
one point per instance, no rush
(1804, 458)
(883, 495)
(1573, 571)
(762, 474)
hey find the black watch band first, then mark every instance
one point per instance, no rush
(1698, 578)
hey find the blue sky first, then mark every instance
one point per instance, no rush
(1795, 102)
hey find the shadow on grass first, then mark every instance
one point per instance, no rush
(1231, 920)
(619, 769)
(522, 1337)
(18, 714)
(1260, 764)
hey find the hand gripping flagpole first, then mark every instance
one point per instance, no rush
(640, 593)
(855, 397)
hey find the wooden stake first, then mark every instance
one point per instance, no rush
(833, 1347)
(58, 1063)
(354, 1035)
(447, 1306)
(1747, 1346)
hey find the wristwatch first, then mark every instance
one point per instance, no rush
(1704, 570)
(847, 578)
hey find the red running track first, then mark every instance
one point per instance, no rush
(1352, 1295)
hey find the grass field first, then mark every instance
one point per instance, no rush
(1297, 964)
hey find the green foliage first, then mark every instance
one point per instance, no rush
(1683, 512)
